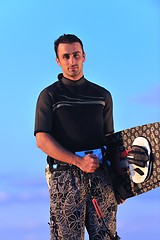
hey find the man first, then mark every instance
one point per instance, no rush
(73, 116)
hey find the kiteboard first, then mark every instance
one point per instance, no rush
(135, 157)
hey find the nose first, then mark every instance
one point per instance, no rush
(72, 60)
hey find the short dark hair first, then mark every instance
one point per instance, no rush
(66, 38)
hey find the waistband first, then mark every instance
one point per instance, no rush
(61, 167)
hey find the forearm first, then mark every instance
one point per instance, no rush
(52, 148)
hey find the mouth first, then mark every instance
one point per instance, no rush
(73, 68)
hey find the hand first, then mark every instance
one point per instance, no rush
(89, 163)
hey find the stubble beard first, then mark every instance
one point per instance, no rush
(74, 72)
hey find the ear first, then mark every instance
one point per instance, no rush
(84, 57)
(58, 62)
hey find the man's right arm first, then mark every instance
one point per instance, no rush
(51, 147)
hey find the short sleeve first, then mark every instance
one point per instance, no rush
(43, 116)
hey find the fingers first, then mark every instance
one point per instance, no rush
(94, 157)
(90, 163)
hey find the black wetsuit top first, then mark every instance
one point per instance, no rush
(78, 114)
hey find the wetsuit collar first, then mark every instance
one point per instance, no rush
(67, 81)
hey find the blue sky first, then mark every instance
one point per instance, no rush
(121, 40)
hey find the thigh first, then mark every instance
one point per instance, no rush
(102, 191)
(67, 205)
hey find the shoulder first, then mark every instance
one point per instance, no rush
(50, 88)
(49, 91)
(99, 89)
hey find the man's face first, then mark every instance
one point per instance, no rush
(71, 58)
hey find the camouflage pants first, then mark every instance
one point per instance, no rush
(71, 207)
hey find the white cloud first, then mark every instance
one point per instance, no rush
(21, 196)
(4, 196)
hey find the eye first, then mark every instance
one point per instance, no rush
(66, 56)
(76, 55)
